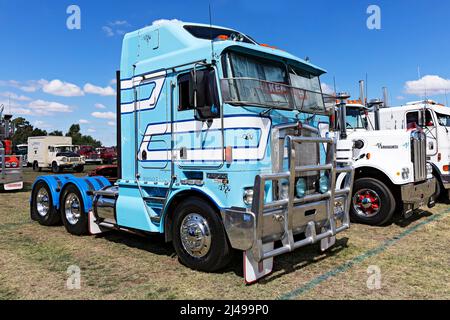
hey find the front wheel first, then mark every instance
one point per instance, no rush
(372, 202)
(36, 167)
(56, 168)
(199, 237)
(74, 217)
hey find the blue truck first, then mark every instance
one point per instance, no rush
(219, 150)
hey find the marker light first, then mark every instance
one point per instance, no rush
(300, 188)
(248, 196)
(323, 184)
(368, 156)
(222, 37)
(229, 155)
(267, 46)
(446, 168)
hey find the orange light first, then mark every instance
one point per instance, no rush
(446, 168)
(222, 37)
(368, 156)
(229, 155)
(267, 46)
(398, 173)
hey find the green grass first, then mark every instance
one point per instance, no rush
(34, 261)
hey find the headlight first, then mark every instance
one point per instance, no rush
(7, 165)
(300, 188)
(14, 164)
(429, 169)
(248, 196)
(323, 184)
(64, 159)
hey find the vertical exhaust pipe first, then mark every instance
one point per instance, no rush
(362, 95)
(342, 114)
(386, 97)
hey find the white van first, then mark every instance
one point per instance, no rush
(55, 153)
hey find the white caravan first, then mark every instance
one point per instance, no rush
(391, 171)
(56, 153)
(434, 118)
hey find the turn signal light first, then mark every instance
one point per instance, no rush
(368, 156)
(222, 37)
(446, 168)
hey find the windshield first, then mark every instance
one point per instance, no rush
(256, 81)
(356, 119)
(443, 119)
(63, 149)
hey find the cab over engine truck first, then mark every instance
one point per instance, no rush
(11, 175)
(55, 153)
(434, 118)
(391, 169)
(214, 152)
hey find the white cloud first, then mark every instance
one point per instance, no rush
(327, 89)
(107, 91)
(14, 96)
(164, 21)
(60, 88)
(400, 98)
(119, 23)
(108, 31)
(42, 107)
(100, 106)
(22, 112)
(104, 115)
(90, 130)
(27, 86)
(430, 84)
(41, 124)
(111, 123)
(83, 121)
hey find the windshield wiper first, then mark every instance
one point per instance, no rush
(266, 112)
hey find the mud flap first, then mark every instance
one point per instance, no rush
(94, 228)
(253, 271)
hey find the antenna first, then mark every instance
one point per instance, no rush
(334, 83)
(211, 34)
(367, 88)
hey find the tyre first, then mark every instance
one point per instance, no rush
(56, 168)
(439, 189)
(372, 202)
(79, 169)
(42, 209)
(74, 217)
(199, 237)
(36, 167)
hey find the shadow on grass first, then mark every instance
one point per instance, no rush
(402, 222)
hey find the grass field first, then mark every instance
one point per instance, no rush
(413, 257)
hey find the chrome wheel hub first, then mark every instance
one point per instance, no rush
(72, 209)
(195, 235)
(366, 203)
(42, 202)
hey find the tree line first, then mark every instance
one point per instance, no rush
(24, 130)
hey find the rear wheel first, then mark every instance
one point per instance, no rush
(372, 202)
(199, 237)
(79, 169)
(74, 217)
(42, 208)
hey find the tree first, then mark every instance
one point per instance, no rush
(81, 140)
(56, 133)
(23, 130)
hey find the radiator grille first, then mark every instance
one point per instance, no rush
(418, 155)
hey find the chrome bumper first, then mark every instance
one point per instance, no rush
(314, 215)
(416, 195)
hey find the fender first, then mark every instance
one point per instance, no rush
(55, 183)
(86, 186)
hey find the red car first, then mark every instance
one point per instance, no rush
(108, 155)
(109, 172)
(90, 154)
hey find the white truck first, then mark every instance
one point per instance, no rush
(55, 153)
(391, 169)
(434, 118)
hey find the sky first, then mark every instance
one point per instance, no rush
(55, 76)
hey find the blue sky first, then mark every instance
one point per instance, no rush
(55, 77)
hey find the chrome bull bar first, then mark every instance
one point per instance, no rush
(282, 219)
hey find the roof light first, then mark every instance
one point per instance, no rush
(267, 46)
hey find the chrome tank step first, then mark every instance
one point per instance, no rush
(105, 205)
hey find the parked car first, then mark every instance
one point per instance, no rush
(91, 155)
(108, 155)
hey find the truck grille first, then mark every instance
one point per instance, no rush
(74, 159)
(418, 155)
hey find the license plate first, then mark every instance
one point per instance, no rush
(13, 186)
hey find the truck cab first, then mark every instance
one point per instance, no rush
(219, 149)
(434, 119)
(391, 169)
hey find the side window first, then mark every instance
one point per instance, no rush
(429, 122)
(183, 93)
(412, 119)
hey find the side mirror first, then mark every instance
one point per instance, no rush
(197, 88)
